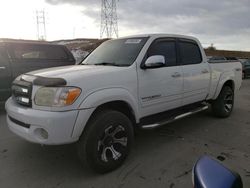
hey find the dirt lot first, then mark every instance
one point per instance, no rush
(160, 158)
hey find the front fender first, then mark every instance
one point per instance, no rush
(103, 96)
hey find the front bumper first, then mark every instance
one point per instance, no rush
(43, 127)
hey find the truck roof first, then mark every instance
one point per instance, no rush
(159, 35)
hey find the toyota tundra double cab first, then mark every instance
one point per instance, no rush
(142, 81)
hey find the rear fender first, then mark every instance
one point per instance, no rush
(226, 76)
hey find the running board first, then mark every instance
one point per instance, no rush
(174, 118)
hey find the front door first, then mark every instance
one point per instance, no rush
(160, 89)
(5, 75)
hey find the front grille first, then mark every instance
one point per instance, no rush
(22, 92)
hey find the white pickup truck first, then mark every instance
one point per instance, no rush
(142, 81)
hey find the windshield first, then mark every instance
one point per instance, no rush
(119, 52)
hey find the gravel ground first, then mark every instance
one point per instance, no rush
(160, 158)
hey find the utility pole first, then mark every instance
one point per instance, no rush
(41, 25)
(109, 20)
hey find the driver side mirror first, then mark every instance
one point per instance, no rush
(154, 61)
(211, 174)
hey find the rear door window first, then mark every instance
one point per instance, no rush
(190, 53)
(38, 52)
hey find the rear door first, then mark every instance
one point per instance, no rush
(196, 72)
(28, 57)
(5, 75)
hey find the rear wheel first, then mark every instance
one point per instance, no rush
(223, 105)
(106, 141)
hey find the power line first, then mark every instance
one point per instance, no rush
(109, 20)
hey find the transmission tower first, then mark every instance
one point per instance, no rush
(41, 25)
(109, 23)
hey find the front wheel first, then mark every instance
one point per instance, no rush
(106, 141)
(223, 105)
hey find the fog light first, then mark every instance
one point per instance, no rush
(41, 133)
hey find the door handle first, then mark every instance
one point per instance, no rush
(204, 71)
(2, 68)
(176, 75)
(238, 69)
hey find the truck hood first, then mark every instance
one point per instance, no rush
(75, 72)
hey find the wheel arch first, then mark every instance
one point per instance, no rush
(226, 82)
(110, 97)
(114, 99)
(229, 83)
(118, 105)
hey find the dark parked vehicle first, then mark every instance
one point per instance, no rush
(246, 68)
(18, 57)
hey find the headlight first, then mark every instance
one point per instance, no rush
(56, 96)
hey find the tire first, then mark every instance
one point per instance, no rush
(223, 105)
(106, 142)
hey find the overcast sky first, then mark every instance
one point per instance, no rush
(225, 23)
